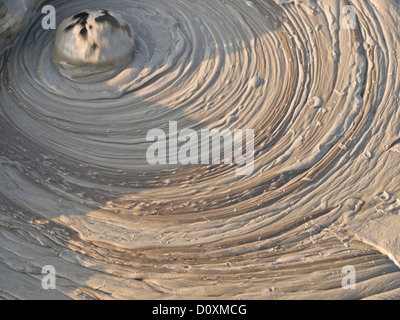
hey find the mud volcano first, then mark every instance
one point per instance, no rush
(76, 190)
(92, 41)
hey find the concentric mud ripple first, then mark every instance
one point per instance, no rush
(77, 192)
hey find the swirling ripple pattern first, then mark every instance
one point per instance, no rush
(77, 193)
